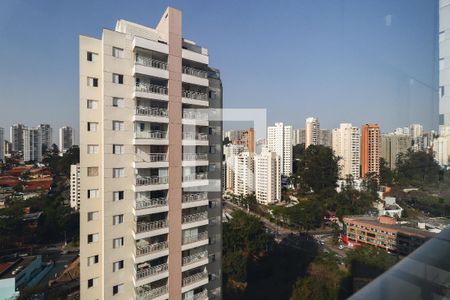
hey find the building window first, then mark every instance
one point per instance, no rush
(92, 238)
(91, 81)
(92, 104)
(442, 90)
(117, 52)
(117, 219)
(93, 193)
(92, 282)
(91, 56)
(118, 172)
(118, 78)
(117, 242)
(118, 149)
(119, 195)
(92, 215)
(118, 289)
(92, 126)
(118, 102)
(92, 260)
(118, 265)
(118, 125)
(92, 149)
(92, 171)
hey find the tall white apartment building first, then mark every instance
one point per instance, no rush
(346, 144)
(2, 144)
(32, 144)
(244, 173)
(66, 138)
(312, 132)
(75, 186)
(415, 130)
(150, 165)
(267, 177)
(279, 140)
(230, 151)
(16, 137)
(298, 136)
(440, 148)
(444, 62)
(47, 136)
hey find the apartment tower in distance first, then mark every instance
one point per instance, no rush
(279, 140)
(346, 145)
(150, 165)
(444, 63)
(66, 138)
(370, 149)
(312, 132)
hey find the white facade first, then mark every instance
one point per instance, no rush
(415, 130)
(267, 177)
(279, 140)
(346, 145)
(47, 136)
(230, 152)
(298, 136)
(75, 186)
(32, 141)
(444, 62)
(66, 138)
(244, 171)
(2, 144)
(440, 146)
(312, 132)
(16, 137)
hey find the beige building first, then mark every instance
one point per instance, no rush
(267, 177)
(150, 165)
(346, 145)
(312, 132)
(392, 145)
(75, 186)
(244, 174)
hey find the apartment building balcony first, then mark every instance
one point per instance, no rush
(194, 220)
(150, 66)
(194, 200)
(145, 89)
(195, 179)
(151, 274)
(151, 114)
(150, 137)
(148, 206)
(140, 43)
(203, 295)
(194, 117)
(194, 76)
(191, 242)
(195, 139)
(150, 160)
(151, 183)
(148, 229)
(147, 293)
(195, 97)
(195, 159)
(146, 251)
(195, 260)
(194, 281)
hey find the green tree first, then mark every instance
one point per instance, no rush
(386, 174)
(417, 169)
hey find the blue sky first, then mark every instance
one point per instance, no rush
(340, 60)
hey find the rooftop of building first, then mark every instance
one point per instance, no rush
(9, 268)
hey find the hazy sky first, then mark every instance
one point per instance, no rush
(340, 60)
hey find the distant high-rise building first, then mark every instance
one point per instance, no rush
(16, 137)
(326, 137)
(346, 145)
(244, 170)
(47, 137)
(250, 140)
(312, 132)
(444, 65)
(370, 149)
(75, 186)
(298, 136)
(415, 130)
(2, 144)
(7, 149)
(66, 138)
(279, 140)
(230, 151)
(32, 141)
(392, 145)
(267, 177)
(440, 148)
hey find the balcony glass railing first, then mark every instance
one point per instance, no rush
(148, 87)
(152, 180)
(201, 296)
(150, 226)
(195, 136)
(194, 197)
(194, 278)
(151, 134)
(151, 62)
(195, 156)
(192, 177)
(195, 238)
(151, 157)
(150, 271)
(148, 294)
(151, 248)
(195, 115)
(195, 95)
(195, 72)
(151, 202)
(151, 111)
(195, 257)
(195, 217)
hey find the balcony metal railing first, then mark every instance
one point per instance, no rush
(147, 272)
(148, 87)
(150, 226)
(195, 72)
(152, 293)
(195, 136)
(195, 115)
(197, 176)
(151, 62)
(195, 257)
(151, 111)
(195, 156)
(195, 95)
(152, 180)
(192, 239)
(194, 278)
(150, 157)
(152, 248)
(195, 217)
(151, 202)
(194, 197)
(151, 134)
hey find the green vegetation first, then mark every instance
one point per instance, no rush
(417, 169)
